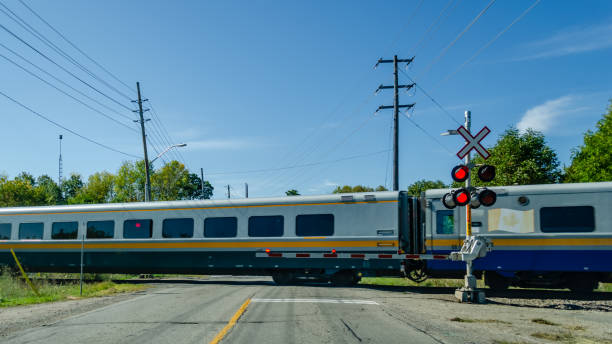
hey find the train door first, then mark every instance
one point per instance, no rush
(445, 233)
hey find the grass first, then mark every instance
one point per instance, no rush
(442, 282)
(14, 292)
(404, 282)
(484, 321)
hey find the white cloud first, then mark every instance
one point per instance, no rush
(543, 117)
(574, 41)
(221, 144)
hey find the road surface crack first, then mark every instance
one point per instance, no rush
(351, 330)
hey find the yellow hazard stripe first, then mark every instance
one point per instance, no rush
(198, 208)
(153, 245)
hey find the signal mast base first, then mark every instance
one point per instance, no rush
(470, 295)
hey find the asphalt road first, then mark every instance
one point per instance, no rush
(198, 312)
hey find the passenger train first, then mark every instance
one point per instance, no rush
(554, 235)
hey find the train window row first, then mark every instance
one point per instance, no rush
(571, 219)
(214, 227)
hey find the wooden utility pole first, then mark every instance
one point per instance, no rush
(144, 144)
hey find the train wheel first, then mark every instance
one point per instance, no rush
(496, 281)
(345, 278)
(282, 277)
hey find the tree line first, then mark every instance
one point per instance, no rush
(520, 158)
(170, 182)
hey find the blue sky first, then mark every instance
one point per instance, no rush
(260, 85)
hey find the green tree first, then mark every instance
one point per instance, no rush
(520, 158)
(99, 189)
(173, 182)
(130, 182)
(592, 162)
(193, 189)
(49, 191)
(72, 185)
(19, 192)
(422, 185)
(357, 188)
(292, 192)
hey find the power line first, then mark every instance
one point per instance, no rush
(65, 128)
(436, 23)
(62, 68)
(64, 83)
(67, 94)
(516, 20)
(431, 98)
(443, 52)
(297, 166)
(17, 19)
(76, 47)
(408, 21)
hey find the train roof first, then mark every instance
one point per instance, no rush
(537, 189)
(157, 205)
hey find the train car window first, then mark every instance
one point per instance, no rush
(314, 225)
(137, 229)
(220, 227)
(445, 222)
(100, 229)
(64, 230)
(567, 219)
(31, 230)
(177, 228)
(5, 231)
(266, 226)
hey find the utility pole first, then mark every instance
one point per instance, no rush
(228, 192)
(202, 177)
(246, 190)
(59, 177)
(144, 144)
(396, 106)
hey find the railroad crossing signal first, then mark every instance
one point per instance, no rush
(473, 142)
(475, 197)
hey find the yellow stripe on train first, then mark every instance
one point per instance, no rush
(529, 242)
(249, 244)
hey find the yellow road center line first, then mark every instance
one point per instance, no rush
(231, 323)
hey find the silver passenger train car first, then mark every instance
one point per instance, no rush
(554, 235)
(213, 236)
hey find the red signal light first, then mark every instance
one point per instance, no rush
(267, 250)
(333, 250)
(461, 197)
(137, 224)
(460, 173)
(487, 197)
(486, 173)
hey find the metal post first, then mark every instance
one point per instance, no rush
(246, 190)
(144, 144)
(202, 177)
(395, 127)
(228, 192)
(470, 280)
(82, 263)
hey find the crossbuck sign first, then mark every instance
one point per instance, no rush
(473, 142)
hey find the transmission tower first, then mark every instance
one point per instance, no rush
(59, 178)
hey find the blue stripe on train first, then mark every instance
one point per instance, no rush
(533, 260)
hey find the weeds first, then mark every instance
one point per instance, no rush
(15, 292)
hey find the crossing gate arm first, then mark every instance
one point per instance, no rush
(365, 256)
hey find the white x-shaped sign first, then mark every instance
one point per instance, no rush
(473, 142)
